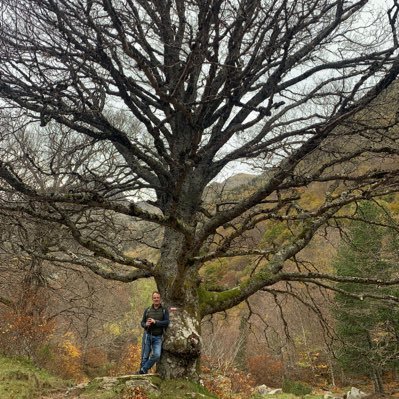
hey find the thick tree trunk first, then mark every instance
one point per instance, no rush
(181, 347)
(177, 277)
(178, 285)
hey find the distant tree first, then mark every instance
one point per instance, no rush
(41, 301)
(283, 85)
(368, 329)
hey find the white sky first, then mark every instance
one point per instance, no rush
(239, 167)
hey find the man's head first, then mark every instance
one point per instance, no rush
(156, 299)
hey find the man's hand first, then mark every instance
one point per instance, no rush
(149, 322)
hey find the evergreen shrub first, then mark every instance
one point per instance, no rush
(296, 387)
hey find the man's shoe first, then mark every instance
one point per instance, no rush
(141, 371)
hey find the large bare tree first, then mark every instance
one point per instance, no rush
(280, 84)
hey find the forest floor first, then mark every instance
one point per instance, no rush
(20, 379)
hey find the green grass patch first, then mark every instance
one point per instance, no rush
(296, 387)
(19, 378)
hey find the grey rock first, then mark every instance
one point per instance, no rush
(330, 395)
(355, 393)
(275, 391)
(108, 383)
(145, 384)
(262, 390)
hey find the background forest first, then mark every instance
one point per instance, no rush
(78, 325)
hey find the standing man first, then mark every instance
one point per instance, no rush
(155, 320)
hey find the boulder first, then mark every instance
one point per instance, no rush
(130, 382)
(355, 393)
(262, 390)
(146, 385)
(265, 390)
(330, 395)
(275, 391)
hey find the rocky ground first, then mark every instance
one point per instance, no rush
(132, 387)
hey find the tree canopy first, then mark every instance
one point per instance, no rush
(128, 110)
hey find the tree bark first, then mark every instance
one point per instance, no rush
(377, 381)
(182, 339)
(181, 347)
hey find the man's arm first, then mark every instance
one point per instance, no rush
(165, 322)
(144, 319)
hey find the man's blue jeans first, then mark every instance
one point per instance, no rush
(150, 351)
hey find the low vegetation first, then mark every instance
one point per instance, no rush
(20, 379)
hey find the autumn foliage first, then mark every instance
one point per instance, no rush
(23, 334)
(69, 358)
(226, 383)
(135, 393)
(266, 369)
(130, 360)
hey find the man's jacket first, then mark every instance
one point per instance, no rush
(161, 317)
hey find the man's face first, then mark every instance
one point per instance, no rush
(156, 299)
